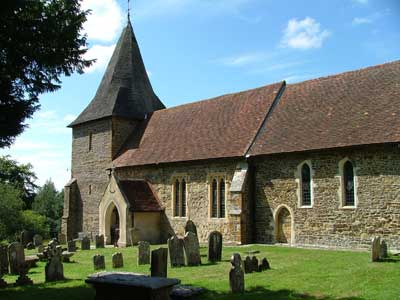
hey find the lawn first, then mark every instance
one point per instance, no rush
(295, 274)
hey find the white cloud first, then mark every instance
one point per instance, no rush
(371, 18)
(105, 20)
(360, 21)
(102, 54)
(304, 34)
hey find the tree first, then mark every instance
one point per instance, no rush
(10, 206)
(39, 41)
(20, 176)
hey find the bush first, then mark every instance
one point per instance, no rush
(35, 222)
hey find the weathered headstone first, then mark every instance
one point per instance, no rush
(23, 279)
(4, 259)
(176, 252)
(248, 267)
(16, 257)
(254, 264)
(62, 239)
(159, 261)
(117, 260)
(99, 262)
(383, 250)
(376, 249)
(37, 240)
(71, 246)
(54, 269)
(215, 246)
(85, 243)
(144, 253)
(26, 237)
(190, 227)
(40, 249)
(236, 274)
(264, 265)
(99, 239)
(134, 236)
(192, 249)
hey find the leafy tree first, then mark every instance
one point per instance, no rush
(33, 221)
(49, 203)
(21, 176)
(10, 207)
(40, 40)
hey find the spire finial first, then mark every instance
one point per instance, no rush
(129, 10)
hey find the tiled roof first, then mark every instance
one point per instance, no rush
(354, 108)
(221, 127)
(140, 196)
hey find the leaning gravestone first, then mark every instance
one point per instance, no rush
(4, 259)
(71, 246)
(176, 253)
(264, 265)
(192, 249)
(99, 262)
(159, 261)
(16, 257)
(383, 249)
(85, 243)
(144, 253)
(23, 278)
(190, 227)
(54, 269)
(236, 274)
(99, 241)
(117, 260)
(376, 249)
(247, 265)
(37, 240)
(214, 246)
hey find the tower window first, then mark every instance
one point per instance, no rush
(90, 141)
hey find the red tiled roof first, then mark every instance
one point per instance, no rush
(354, 108)
(140, 196)
(221, 127)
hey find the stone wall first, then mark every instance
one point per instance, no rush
(377, 170)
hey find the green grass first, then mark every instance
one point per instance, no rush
(295, 274)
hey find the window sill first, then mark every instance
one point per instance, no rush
(348, 207)
(217, 219)
(179, 218)
(306, 206)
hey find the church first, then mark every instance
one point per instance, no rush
(315, 163)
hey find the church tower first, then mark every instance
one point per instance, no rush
(125, 96)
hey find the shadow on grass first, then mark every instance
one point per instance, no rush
(261, 293)
(390, 259)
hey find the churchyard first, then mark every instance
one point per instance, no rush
(294, 274)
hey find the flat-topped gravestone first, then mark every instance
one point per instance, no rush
(192, 249)
(214, 246)
(71, 246)
(99, 239)
(37, 240)
(144, 253)
(190, 227)
(376, 249)
(16, 257)
(4, 259)
(159, 261)
(236, 274)
(117, 260)
(176, 252)
(383, 250)
(248, 268)
(264, 265)
(85, 243)
(54, 270)
(123, 286)
(99, 262)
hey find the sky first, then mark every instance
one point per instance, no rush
(198, 49)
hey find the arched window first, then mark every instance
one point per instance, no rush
(348, 184)
(183, 202)
(222, 198)
(305, 185)
(214, 199)
(177, 206)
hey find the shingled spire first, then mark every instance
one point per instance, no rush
(125, 90)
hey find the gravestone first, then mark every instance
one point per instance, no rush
(4, 259)
(236, 274)
(23, 279)
(144, 253)
(159, 261)
(30, 246)
(214, 246)
(62, 239)
(190, 227)
(176, 252)
(99, 262)
(71, 246)
(192, 249)
(85, 243)
(247, 265)
(25, 238)
(134, 236)
(254, 264)
(40, 249)
(117, 260)
(16, 257)
(37, 240)
(264, 265)
(383, 250)
(99, 241)
(54, 270)
(376, 249)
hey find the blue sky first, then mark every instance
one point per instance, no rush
(197, 49)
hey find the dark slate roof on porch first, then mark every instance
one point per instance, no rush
(140, 196)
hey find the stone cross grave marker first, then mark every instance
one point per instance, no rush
(159, 261)
(236, 274)
(176, 252)
(144, 253)
(99, 262)
(99, 241)
(85, 243)
(192, 249)
(214, 246)
(117, 260)
(16, 257)
(190, 227)
(54, 270)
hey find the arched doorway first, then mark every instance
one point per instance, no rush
(283, 225)
(114, 226)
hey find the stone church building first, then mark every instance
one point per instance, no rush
(310, 163)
